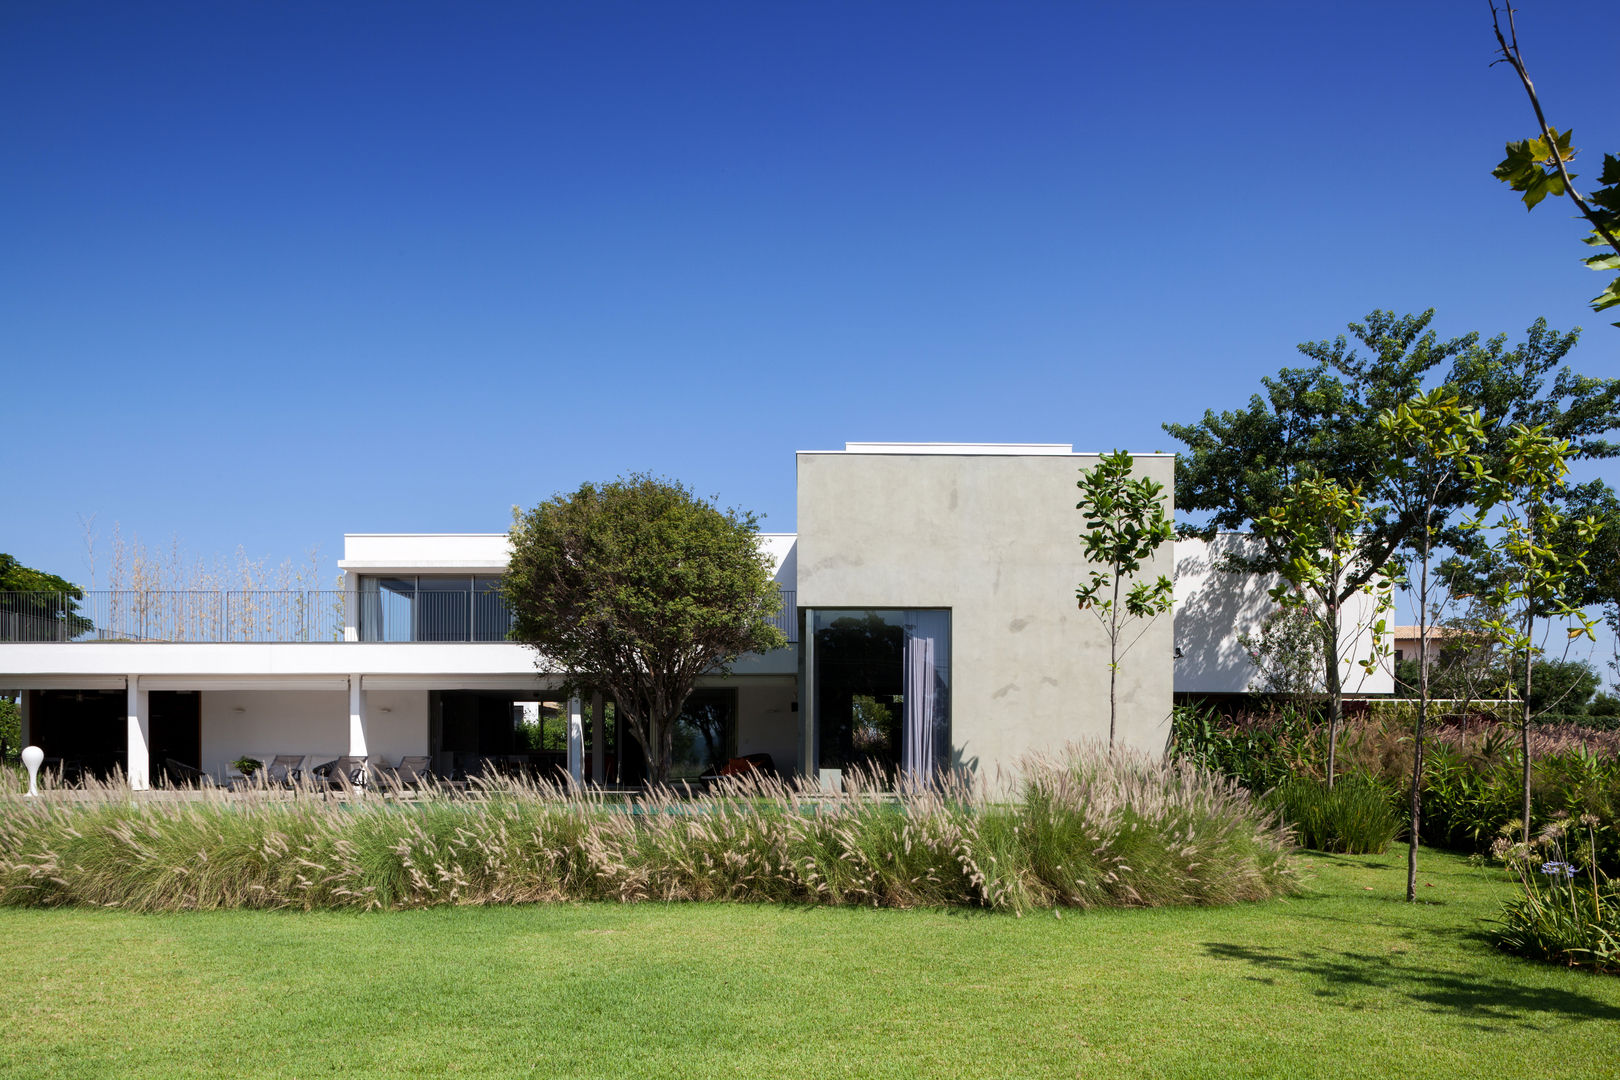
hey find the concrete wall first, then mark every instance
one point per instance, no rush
(993, 536)
(1214, 609)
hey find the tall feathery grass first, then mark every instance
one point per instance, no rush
(1091, 828)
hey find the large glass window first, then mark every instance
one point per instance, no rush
(882, 690)
(433, 607)
(705, 734)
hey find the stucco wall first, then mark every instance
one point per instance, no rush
(311, 722)
(994, 538)
(1213, 609)
(767, 723)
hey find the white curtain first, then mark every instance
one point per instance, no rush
(925, 692)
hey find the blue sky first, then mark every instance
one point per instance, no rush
(274, 272)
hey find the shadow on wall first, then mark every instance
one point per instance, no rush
(1209, 618)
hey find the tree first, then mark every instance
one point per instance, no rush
(1321, 527)
(1531, 576)
(1539, 167)
(1436, 443)
(1322, 422)
(1287, 655)
(636, 588)
(1125, 525)
(36, 606)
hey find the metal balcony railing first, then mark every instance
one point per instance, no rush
(296, 615)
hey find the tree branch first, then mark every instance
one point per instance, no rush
(1512, 55)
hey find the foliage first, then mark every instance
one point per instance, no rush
(1356, 816)
(1287, 655)
(38, 600)
(1125, 525)
(1539, 167)
(1472, 769)
(247, 766)
(1567, 911)
(1257, 749)
(1320, 530)
(1530, 576)
(1094, 829)
(10, 731)
(637, 587)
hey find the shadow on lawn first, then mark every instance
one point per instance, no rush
(1491, 1002)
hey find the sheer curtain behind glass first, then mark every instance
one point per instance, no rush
(926, 751)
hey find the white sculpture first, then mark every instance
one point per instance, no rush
(32, 758)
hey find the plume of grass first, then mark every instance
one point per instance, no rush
(1091, 828)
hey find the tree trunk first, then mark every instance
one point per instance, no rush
(1422, 716)
(1335, 691)
(1113, 658)
(1524, 720)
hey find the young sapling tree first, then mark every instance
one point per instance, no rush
(1125, 525)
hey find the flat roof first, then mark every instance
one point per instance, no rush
(975, 449)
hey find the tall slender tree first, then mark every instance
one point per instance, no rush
(1436, 443)
(1321, 525)
(1125, 525)
(1531, 575)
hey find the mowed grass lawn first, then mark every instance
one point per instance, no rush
(1347, 981)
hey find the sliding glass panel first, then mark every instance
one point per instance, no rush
(444, 608)
(491, 619)
(881, 691)
(387, 609)
(705, 734)
(859, 689)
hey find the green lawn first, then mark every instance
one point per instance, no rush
(1346, 981)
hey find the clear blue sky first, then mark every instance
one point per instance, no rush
(270, 272)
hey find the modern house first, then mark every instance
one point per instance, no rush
(928, 600)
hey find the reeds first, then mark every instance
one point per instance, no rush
(1092, 828)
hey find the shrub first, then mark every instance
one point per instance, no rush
(1357, 817)
(1566, 911)
(1471, 776)
(1093, 828)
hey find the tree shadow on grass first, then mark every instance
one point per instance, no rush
(1491, 1003)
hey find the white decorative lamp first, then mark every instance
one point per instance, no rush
(32, 758)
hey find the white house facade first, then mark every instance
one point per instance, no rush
(928, 601)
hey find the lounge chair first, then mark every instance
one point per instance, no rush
(410, 772)
(179, 774)
(346, 772)
(283, 769)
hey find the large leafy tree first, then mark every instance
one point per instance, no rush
(636, 588)
(1322, 420)
(37, 606)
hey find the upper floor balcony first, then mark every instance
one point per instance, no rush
(408, 608)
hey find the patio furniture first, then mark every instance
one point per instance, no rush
(411, 771)
(179, 774)
(283, 769)
(346, 772)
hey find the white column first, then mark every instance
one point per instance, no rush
(576, 741)
(357, 718)
(139, 760)
(598, 741)
(351, 606)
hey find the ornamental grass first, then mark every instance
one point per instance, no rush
(1092, 828)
